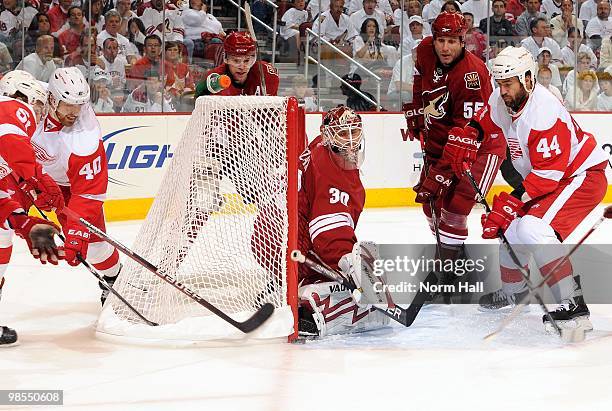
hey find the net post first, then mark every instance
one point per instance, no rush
(295, 130)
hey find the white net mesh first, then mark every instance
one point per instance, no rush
(218, 224)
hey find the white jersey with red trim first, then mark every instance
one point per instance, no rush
(546, 144)
(172, 24)
(74, 157)
(17, 126)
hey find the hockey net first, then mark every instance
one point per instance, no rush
(221, 224)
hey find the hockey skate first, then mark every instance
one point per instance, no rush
(111, 282)
(499, 300)
(8, 337)
(571, 313)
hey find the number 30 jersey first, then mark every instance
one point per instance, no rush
(330, 201)
(75, 158)
(546, 144)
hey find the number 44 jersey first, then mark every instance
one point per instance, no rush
(546, 144)
(75, 158)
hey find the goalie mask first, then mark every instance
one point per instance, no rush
(342, 132)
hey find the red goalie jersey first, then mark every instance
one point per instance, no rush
(331, 200)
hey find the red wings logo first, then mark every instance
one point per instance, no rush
(41, 154)
(435, 106)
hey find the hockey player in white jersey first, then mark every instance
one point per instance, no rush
(68, 144)
(21, 92)
(563, 169)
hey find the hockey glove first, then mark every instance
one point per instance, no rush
(77, 241)
(38, 233)
(438, 180)
(44, 191)
(505, 209)
(358, 266)
(415, 120)
(461, 149)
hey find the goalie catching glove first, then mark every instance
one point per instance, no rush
(358, 266)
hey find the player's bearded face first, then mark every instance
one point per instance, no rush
(448, 49)
(512, 92)
(67, 114)
(239, 66)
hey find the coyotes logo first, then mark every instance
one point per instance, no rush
(435, 104)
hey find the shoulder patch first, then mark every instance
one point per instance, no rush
(472, 80)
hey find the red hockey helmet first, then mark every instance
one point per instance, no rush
(239, 43)
(449, 24)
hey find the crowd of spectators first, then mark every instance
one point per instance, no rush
(147, 55)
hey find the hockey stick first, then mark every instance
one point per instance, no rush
(520, 305)
(404, 316)
(252, 323)
(89, 268)
(100, 279)
(249, 23)
(524, 273)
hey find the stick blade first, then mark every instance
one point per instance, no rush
(257, 319)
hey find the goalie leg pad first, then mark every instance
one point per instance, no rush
(334, 311)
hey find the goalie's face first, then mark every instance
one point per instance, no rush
(343, 134)
(239, 66)
(67, 114)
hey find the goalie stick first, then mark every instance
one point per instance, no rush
(89, 268)
(249, 23)
(251, 324)
(404, 316)
(521, 304)
(524, 273)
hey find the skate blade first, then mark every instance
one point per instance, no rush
(16, 343)
(583, 323)
(506, 309)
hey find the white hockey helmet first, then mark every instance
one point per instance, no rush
(515, 62)
(68, 84)
(19, 81)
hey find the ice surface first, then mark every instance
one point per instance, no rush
(439, 363)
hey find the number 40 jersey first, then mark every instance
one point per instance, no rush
(75, 158)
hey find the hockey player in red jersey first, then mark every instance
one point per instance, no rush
(243, 69)
(330, 201)
(563, 169)
(22, 95)
(450, 85)
(68, 144)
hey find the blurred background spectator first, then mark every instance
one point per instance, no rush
(584, 98)
(40, 63)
